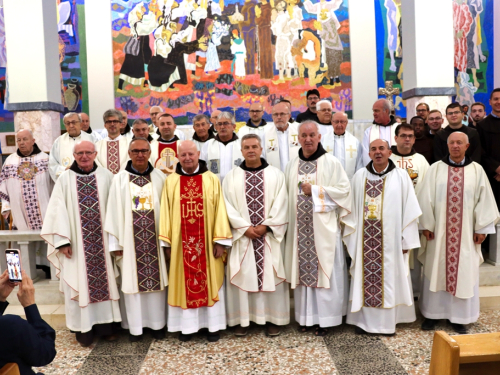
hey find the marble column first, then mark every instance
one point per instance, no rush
(34, 87)
(428, 52)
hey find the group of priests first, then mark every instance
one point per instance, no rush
(151, 231)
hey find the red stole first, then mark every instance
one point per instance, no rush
(193, 241)
(167, 157)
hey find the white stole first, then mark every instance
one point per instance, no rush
(213, 156)
(375, 133)
(272, 145)
(350, 157)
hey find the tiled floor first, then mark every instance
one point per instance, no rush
(340, 352)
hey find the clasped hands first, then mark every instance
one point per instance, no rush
(256, 232)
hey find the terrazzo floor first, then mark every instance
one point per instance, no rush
(340, 352)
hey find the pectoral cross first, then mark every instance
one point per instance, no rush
(389, 91)
(350, 150)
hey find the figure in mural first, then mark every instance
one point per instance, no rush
(295, 24)
(307, 54)
(263, 21)
(462, 22)
(239, 51)
(137, 50)
(217, 30)
(474, 39)
(393, 30)
(247, 27)
(281, 28)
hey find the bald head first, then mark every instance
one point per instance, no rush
(458, 136)
(85, 121)
(214, 115)
(188, 156)
(458, 143)
(379, 152)
(25, 141)
(382, 111)
(339, 122)
(80, 145)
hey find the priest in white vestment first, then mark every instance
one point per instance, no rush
(324, 110)
(132, 222)
(195, 230)
(202, 132)
(78, 247)
(459, 211)
(343, 145)
(405, 157)
(223, 153)
(155, 113)
(318, 198)
(112, 151)
(125, 129)
(255, 124)
(164, 148)
(384, 212)
(384, 127)
(140, 129)
(61, 153)
(96, 135)
(282, 138)
(256, 203)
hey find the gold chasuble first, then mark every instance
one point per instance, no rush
(195, 275)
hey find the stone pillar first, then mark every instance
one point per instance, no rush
(363, 64)
(428, 53)
(99, 60)
(34, 87)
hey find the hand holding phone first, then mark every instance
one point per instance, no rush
(14, 264)
(26, 292)
(6, 286)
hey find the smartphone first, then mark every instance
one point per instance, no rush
(14, 264)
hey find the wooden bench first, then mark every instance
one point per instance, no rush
(10, 369)
(465, 354)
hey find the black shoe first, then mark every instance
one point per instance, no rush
(213, 336)
(429, 324)
(359, 331)
(133, 338)
(158, 334)
(185, 338)
(458, 328)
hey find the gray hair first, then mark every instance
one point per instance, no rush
(228, 116)
(310, 122)
(71, 114)
(324, 101)
(387, 105)
(112, 113)
(251, 136)
(139, 139)
(139, 121)
(381, 139)
(201, 117)
(25, 130)
(77, 143)
(466, 136)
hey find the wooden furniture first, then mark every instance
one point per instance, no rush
(465, 354)
(10, 369)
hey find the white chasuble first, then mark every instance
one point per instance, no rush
(133, 219)
(25, 187)
(280, 146)
(259, 130)
(385, 212)
(377, 132)
(347, 149)
(220, 157)
(456, 203)
(75, 215)
(256, 198)
(112, 154)
(61, 153)
(314, 220)
(164, 155)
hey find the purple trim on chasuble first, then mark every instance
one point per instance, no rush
(373, 244)
(146, 247)
(255, 202)
(307, 257)
(93, 244)
(454, 212)
(113, 156)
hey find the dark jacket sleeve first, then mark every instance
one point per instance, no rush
(476, 150)
(3, 306)
(439, 152)
(489, 163)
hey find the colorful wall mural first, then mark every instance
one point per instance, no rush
(72, 56)
(473, 62)
(193, 56)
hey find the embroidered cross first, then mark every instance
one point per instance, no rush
(350, 150)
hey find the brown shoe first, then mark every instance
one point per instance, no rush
(272, 330)
(240, 331)
(112, 337)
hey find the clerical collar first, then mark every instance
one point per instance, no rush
(465, 162)
(35, 151)
(88, 131)
(113, 140)
(317, 154)
(387, 169)
(130, 169)
(174, 139)
(395, 151)
(392, 122)
(494, 115)
(235, 137)
(149, 138)
(341, 135)
(196, 138)
(75, 168)
(126, 129)
(259, 168)
(202, 168)
(262, 123)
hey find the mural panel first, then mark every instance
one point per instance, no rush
(194, 56)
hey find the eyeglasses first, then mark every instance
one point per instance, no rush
(137, 152)
(422, 110)
(313, 98)
(224, 124)
(409, 136)
(280, 114)
(70, 123)
(325, 110)
(86, 153)
(255, 111)
(154, 113)
(454, 113)
(336, 122)
(109, 122)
